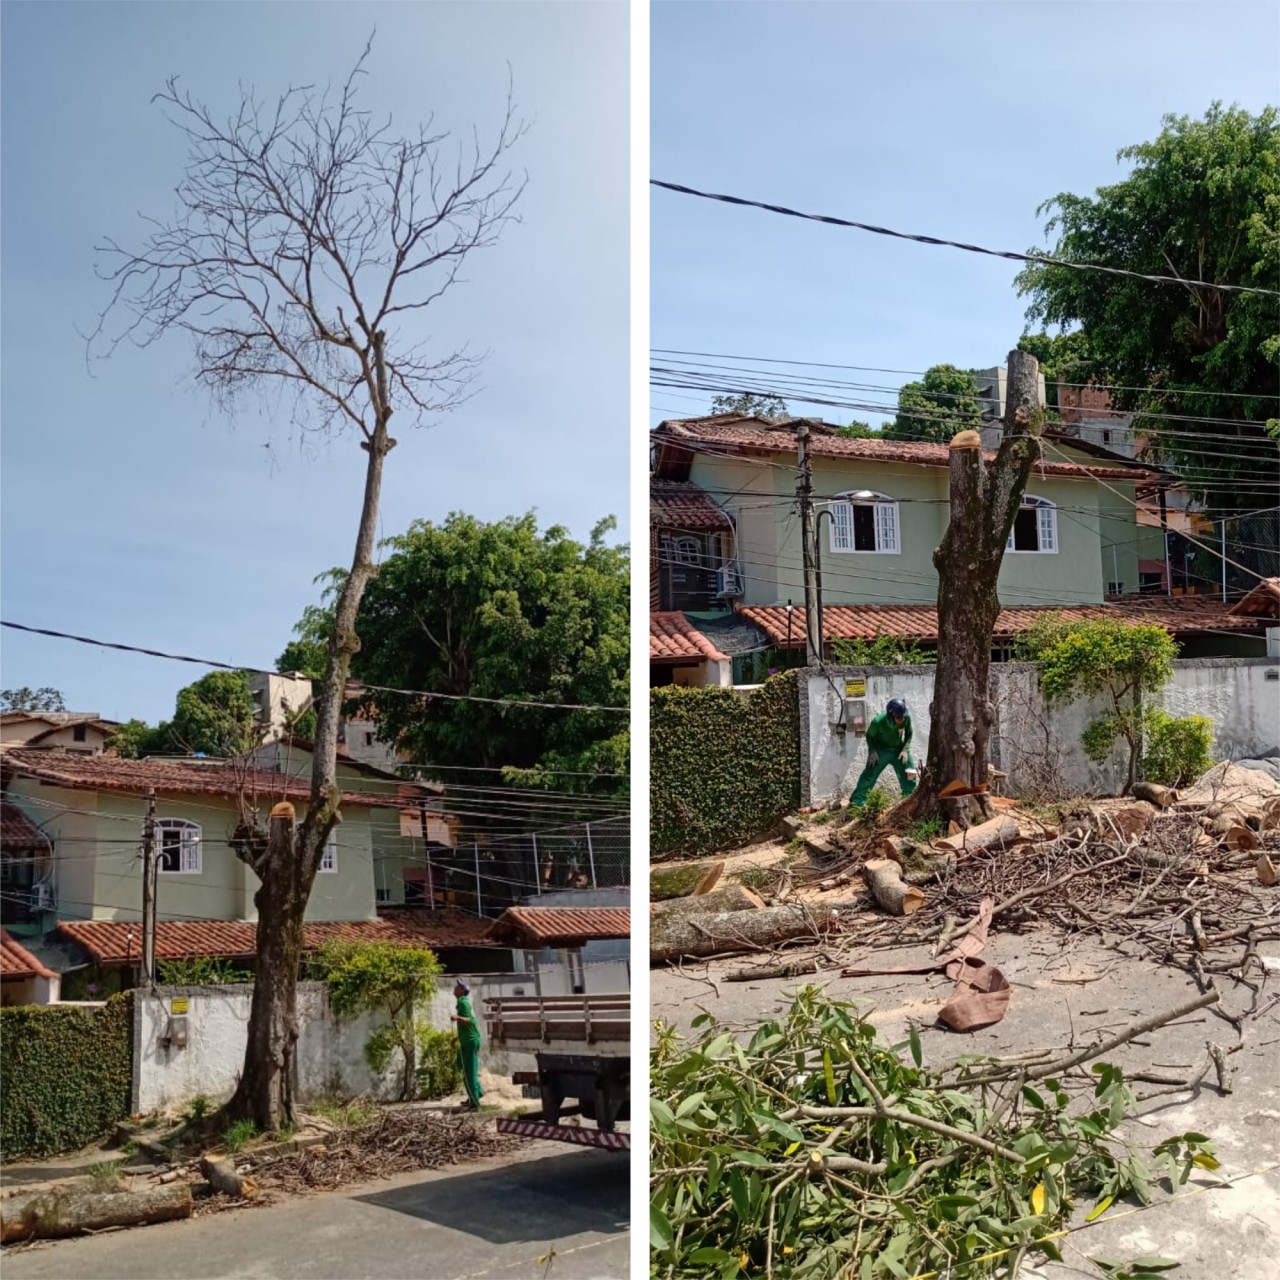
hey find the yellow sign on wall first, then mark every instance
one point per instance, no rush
(179, 1005)
(855, 688)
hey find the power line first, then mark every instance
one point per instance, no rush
(262, 671)
(919, 373)
(957, 244)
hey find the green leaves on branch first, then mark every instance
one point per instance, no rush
(794, 1154)
(936, 408)
(882, 651)
(723, 767)
(215, 716)
(388, 981)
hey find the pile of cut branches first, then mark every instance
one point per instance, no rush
(397, 1140)
(817, 1151)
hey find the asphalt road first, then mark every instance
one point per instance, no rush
(492, 1220)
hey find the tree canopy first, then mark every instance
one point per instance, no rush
(758, 406)
(26, 699)
(494, 610)
(1202, 202)
(215, 716)
(935, 408)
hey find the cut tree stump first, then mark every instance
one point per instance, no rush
(222, 1177)
(890, 890)
(724, 931)
(1240, 839)
(1131, 821)
(681, 882)
(1002, 830)
(733, 897)
(49, 1214)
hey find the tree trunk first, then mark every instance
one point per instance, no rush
(288, 864)
(890, 890)
(984, 500)
(733, 897)
(722, 931)
(680, 882)
(46, 1214)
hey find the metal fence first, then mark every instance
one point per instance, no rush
(490, 874)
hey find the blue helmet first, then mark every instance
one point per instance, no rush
(897, 708)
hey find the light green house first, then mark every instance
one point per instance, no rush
(93, 807)
(882, 509)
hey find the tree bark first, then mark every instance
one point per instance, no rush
(1000, 830)
(288, 865)
(48, 1214)
(679, 882)
(733, 897)
(722, 931)
(984, 499)
(890, 890)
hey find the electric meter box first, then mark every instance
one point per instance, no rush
(175, 1035)
(855, 715)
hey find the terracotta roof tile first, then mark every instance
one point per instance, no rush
(732, 433)
(560, 926)
(1262, 602)
(673, 638)
(17, 831)
(107, 941)
(17, 962)
(1178, 614)
(680, 504)
(175, 777)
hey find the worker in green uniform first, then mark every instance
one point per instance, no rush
(468, 1044)
(888, 743)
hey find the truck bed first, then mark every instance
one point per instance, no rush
(530, 1023)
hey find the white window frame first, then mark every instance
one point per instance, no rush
(1046, 524)
(680, 551)
(190, 847)
(888, 530)
(329, 858)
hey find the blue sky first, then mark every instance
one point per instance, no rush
(132, 510)
(955, 120)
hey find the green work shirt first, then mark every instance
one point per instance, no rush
(468, 1031)
(886, 737)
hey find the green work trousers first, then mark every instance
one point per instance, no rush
(867, 779)
(469, 1061)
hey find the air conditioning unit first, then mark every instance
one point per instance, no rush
(728, 581)
(382, 894)
(42, 897)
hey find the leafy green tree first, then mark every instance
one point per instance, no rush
(1202, 202)
(882, 651)
(215, 716)
(858, 430)
(498, 611)
(25, 699)
(1121, 661)
(390, 981)
(758, 406)
(936, 408)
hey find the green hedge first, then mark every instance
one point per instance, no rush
(722, 768)
(66, 1075)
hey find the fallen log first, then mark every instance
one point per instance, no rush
(681, 882)
(50, 1214)
(1154, 793)
(1266, 871)
(1240, 839)
(221, 1175)
(793, 969)
(890, 890)
(723, 931)
(734, 897)
(1002, 830)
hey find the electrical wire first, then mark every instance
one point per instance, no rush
(1039, 259)
(262, 671)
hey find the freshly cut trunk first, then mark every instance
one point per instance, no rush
(680, 882)
(735, 897)
(890, 890)
(1002, 830)
(49, 1214)
(726, 931)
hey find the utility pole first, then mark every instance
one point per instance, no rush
(149, 885)
(812, 603)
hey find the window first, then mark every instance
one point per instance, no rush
(329, 858)
(368, 737)
(1035, 527)
(178, 844)
(864, 521)
(686, 551)
(1106, 436)
(77, 733)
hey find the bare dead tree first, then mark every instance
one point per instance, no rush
(306, 238)
(984, 502)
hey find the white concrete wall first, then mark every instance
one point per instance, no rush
(1032, 743)
(330, 1053)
